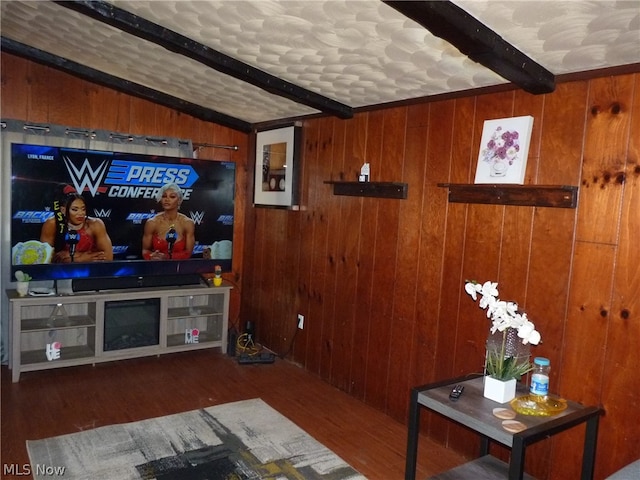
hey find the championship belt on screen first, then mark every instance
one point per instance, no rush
(31, 252)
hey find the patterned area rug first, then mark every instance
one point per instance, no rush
(240, 440)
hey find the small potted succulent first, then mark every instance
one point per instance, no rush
(22, 285)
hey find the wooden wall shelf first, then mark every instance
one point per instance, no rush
(559, 196)
(370, 189)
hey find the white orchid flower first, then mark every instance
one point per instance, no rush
(472, 288)
(503, 314)
(498, 308)
(517, 320)
(512, 309)
(488, 302)
(499, 325)
(489, 289)
(528, 334)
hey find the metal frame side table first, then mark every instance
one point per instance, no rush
(476, 412)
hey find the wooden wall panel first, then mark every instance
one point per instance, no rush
(525, 104)
(608, 122)
(588, 320)
(402, 326)
(103, 106)
(310, 167)
(284, 274)
(384, 302)
(321, 208)
(285, 335)
(483, 230)
(431, 242)
(448, 289)
(334, 230)
(123, 116)
(41, 87)
(385, 213)
(552, 240)
(272, 287)
(357, 135)
(534, 253)
(332, 244)
(622, 357)
(344, 334)
(15, 81)
(367, 288)
(61, 111)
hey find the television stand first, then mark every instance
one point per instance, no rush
(54, 331)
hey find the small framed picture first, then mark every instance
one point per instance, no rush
(504, 148)
(277, 170)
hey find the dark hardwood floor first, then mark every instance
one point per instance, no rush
(67, 400)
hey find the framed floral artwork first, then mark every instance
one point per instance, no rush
(504, 148)
(277, 168)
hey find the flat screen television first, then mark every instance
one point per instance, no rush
(120, 189)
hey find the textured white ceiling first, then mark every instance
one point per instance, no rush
(566, 36)
(359, 52)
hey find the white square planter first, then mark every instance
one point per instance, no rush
(500, 391)
(22, 288)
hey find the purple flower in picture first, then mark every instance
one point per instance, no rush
(502, 146)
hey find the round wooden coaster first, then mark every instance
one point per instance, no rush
(513, 426)
(504, 413)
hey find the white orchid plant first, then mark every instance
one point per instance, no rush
(502, 364)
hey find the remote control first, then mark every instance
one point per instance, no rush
(456, 392)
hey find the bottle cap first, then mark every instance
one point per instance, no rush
(541, 361)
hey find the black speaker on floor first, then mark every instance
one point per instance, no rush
(250, 330)
(231, 342)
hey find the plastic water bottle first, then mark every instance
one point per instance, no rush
(540, 377)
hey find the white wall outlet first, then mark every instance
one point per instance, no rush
(301, 321)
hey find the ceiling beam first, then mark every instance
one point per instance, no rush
(177, 43)
(446, 20)
(123, 86)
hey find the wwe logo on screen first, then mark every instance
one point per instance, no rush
(102, 212)
(86, 176)
(197, 217)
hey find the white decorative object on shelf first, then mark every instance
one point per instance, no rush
(22, 288)
(365, 173)
(22, 284)
(504, 148)
(501, 391)
(504, 360)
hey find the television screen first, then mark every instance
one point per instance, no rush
(79, 213)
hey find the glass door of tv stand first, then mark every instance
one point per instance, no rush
(131, 324)
(195, 320)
